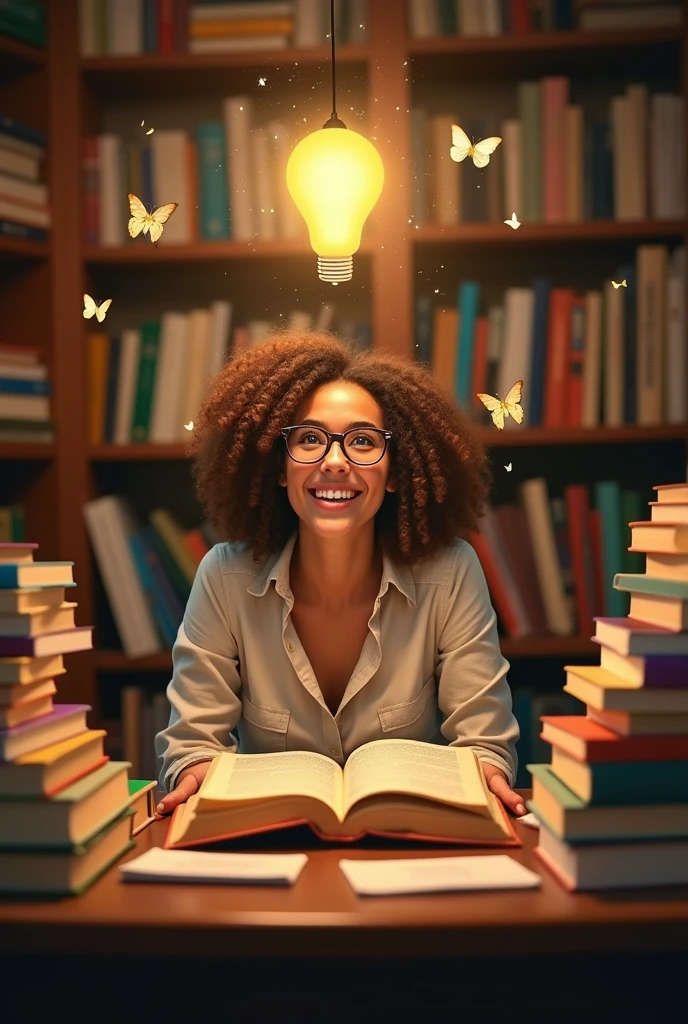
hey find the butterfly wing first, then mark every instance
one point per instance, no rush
(496, 409)
(102, 309)
(461, 144)
(159, 217)
(89, 307)
(512, 402)
(139, 216)
(482, 150)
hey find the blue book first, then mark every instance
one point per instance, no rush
(16, 386)
(150, 26)
(111, 388)
(10, 229)
(630, 347)
(214, 219)
(467, 303)
(541, 290)
(19, 130)
(17, 575)
(423, 325)
(622, 783)
(168, 596)
(607, 498)
(164, 626)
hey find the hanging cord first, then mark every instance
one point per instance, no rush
(334, 121)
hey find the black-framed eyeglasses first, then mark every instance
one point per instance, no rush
(362, 445)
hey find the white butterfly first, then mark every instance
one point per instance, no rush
(514, 222)
(508, 468)
(189, 425)
(142, 220)
(621, 284)
(462, 147)
(91, 307)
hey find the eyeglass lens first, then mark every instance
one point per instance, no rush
(308, 444)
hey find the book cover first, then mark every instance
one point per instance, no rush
(467, 301)
(604, 691)
(618, 784)
(79, 638)
(213, 211)
(589, 741)
(607, 496)
(64, 720)
(651, 670)
(633, 637)
(558, 346)
(145, 381)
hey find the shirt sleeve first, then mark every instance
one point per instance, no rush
(473, 692)
(205, 685)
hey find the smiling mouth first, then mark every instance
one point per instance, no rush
(311, 491)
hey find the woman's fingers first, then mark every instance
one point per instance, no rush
(186, 788)
(500, 787)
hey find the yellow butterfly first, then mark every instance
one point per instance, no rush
(498, 409)
(621, 284)
(462, 147)
(91, 307)
(508, 468)
(142, 220)
(189, 425)
(514, 222)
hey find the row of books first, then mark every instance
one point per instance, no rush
(606, 357)
(128, 27)
(428, 18)
(549, 561)
(613, 803)
(66, 808)
(229, 182)
(145, 384)
(147, 570)
(557, 163)
(24, 20)
(24, 206)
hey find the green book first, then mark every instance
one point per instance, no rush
(631, 505)
(145, 381)
(529, 114)
(639, 583)
(608, 500)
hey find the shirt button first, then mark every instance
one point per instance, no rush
(290, 646)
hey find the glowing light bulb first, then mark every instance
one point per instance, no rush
(335, 177)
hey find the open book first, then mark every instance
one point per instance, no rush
(399, 788)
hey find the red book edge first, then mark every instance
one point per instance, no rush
(614, 748)
(577, 501)
(558, 346)
(514, 839)
(79, 775)
(574, 376)
(166, 26)
(494, 583)
(509, 523)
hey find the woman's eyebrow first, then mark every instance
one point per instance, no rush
(356, 423)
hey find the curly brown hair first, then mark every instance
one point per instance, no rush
(440, 466)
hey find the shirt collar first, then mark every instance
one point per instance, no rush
(277, 568)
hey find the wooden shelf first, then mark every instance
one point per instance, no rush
(583, 231)
(525, 647)
(528, 42)
(512, 436)
(35, 452)
(10, 248)
(18, 58)
(154, 62)
(145, 252)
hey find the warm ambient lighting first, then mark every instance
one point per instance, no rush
(335, 177)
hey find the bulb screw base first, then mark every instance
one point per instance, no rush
(335, 269)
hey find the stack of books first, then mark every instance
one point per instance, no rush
(24, 207)
(64, 805)
(613, 804)
(24, 395)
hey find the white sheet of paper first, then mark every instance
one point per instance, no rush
(437, 874)
(158, 865)
(529, 819)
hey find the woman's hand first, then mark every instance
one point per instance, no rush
(498, 784)
(188, 783)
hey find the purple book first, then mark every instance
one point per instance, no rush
(668, 671)
(62, 642)
(58, 711)
(64, 721)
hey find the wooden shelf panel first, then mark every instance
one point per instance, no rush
(528, 42)
(36, 452)
(584, 231)
(526, 647)
(11, 248)
(154, 62)
(146, 252)
(512, 436)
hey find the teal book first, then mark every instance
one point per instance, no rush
(469, 292)
(639, 583)
(214, 216)
(145, 381)
(620, 783)
(607, 498)
(631, 512)
(529, 114)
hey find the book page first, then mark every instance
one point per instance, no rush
(240, 778)
(448, 774)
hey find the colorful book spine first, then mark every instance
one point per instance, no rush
(145, 381)
(607, 497)
(469, 292)
(214, 218)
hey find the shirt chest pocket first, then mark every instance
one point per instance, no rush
(262, 730)
(413, 719)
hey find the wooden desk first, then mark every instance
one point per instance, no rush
(316, 951)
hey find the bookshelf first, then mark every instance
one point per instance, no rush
(71, 97)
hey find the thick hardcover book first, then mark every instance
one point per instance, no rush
(632, 637)
(639, 583)
(63, 642)
(618, 784)
(605, 691)
(590, 741)
(35, 574)
(49, 769)
(64, 720)
(395, 788)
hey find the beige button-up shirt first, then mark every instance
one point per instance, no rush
(430, 668)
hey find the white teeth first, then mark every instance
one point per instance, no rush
(334, 494)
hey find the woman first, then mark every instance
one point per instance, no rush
(344, 607)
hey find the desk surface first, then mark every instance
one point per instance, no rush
(321, 915)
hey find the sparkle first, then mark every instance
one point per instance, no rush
(261, 81)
